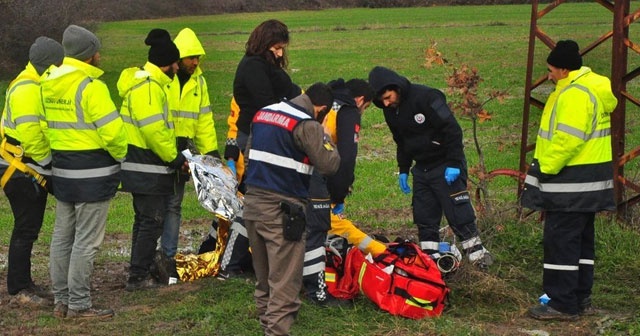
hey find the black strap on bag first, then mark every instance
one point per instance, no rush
(404, 294)
(293, 221)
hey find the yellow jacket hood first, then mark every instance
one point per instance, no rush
(188, 43)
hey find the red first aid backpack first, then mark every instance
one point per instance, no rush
(404, 281)
(342, 269)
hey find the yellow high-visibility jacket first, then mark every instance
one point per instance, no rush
(23, 116)
(190, 106)
(85, 132)
(572, 167)
(150, 130)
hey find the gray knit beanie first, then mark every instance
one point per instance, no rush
(79, 43)
(44, 52)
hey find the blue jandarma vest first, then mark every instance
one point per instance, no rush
(275, 162)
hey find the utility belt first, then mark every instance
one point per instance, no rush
(13, 155)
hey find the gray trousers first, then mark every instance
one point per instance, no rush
(77, 235)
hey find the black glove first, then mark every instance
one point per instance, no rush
(177, 162)
(231, 150)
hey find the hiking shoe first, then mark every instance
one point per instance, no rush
(546, 313)
(27, 298)
(147, 283)
(586, 308)
(60, 310)
(89, 313)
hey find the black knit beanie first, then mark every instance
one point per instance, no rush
(163, 51)
(566, 55)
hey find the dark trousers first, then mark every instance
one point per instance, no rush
(432, 197)
(147, 228)
(569, 252)
(318, 223)
(28, 201)
(236, 256)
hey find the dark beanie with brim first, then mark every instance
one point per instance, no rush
(565, 55)
(162, 51)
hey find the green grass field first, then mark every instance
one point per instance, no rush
(347, 43)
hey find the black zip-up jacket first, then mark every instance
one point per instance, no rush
(347, 131)
(257, 84)
(423, 126)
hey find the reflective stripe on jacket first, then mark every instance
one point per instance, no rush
(572, 168)
(149, 128)
(85, 132)
(191, 109)
(23, 120)
(276, 163)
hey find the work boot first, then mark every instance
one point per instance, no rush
(27, 297)
(89, 313)
(546, 313)
(163, 268)
(60, 310)
(41, 291)
(135, 284)
(586, 308)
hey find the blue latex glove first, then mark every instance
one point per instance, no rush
(338, 209)
(451, 174)
(404, 184)
(232, 165)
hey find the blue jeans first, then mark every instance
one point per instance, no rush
(77, 235)
(172, 219)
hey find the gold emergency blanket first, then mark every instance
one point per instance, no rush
(191, 266)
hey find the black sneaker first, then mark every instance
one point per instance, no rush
(331, 301)
(135, 284)
(233, 274)
(89, 313)
(546, 313)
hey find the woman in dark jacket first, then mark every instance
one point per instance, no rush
(260, 79)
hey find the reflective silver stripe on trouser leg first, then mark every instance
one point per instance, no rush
(236, 230)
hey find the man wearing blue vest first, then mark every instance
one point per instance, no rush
(286, 144)
(571, 178)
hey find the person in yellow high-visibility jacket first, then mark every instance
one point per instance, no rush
(153, 161)
(23, 128)
(88, 143)
(570, 179)
(194, 127)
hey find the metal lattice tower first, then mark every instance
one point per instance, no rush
(627, 192)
